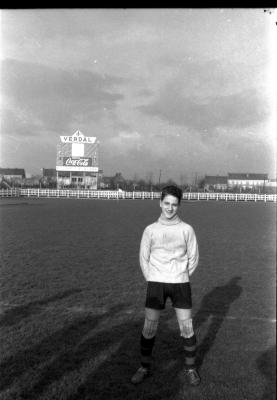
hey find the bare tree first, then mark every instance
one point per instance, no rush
(149, 180)
(135, 181)
(183, 179)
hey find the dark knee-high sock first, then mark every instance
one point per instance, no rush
(190, 351)
(146, 347)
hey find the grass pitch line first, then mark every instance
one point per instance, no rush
(103, 310)
(271, 320)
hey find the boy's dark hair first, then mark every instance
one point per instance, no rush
(173, 191)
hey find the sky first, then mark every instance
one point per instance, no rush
(177, 92)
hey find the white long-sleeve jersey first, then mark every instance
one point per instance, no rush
(168, 251)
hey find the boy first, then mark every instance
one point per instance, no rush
(168, 257)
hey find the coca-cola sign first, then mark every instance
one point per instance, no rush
(77, 161)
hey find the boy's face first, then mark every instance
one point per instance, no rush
(169, 206)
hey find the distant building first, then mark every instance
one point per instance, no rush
(119, 181)
(10, 177)
(77, 164)
(215, 182)
(113, 182)
(49, 172)
(106, 182)
(49, 178)
(271, 185)
(32, 182)
(13, 173)
(247, 180)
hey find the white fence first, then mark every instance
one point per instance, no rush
(118, 195)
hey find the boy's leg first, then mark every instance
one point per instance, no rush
(148, 335)
(147, 341)
(184, 317)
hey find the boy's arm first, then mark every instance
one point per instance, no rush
(144, 253)
(192, 251)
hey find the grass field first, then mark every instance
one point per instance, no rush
(72, 298)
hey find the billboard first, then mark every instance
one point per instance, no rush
(78, 138)
(77, 161)
(77, 153)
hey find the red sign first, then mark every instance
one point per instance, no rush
(77, 161)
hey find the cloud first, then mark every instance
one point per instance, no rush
(236, 110)
(54, 98)
(204, 95)
(17, 124)
(127, 141)
(145, 93)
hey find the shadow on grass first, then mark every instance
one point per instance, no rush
(111, 378)
(266, 363)
(55, 349)
(80, 362)
(213, 309)
(16, 314)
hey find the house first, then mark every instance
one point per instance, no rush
(271, 183)
(247, 180)
(13, 173)
(271, 186)
(215, 182)
(12, 176)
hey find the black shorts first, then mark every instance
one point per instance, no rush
(158, 292)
